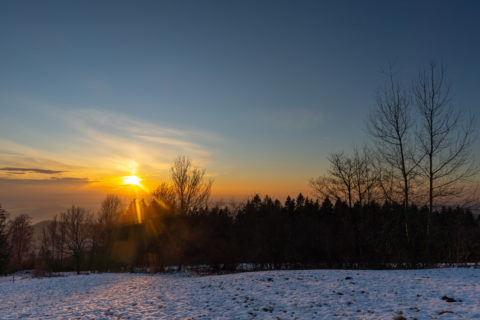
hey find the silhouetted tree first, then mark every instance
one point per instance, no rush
(365, 175)
(343, 170)
(50, 245)
(20, 233)
(352, 178)
(165, 195)
(391, 125)
(326, 186)
(110, 211)
(78, 233)
(445, 136)
(191, 186)
(4, 252)
(105, 231)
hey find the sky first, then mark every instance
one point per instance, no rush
(258, 93)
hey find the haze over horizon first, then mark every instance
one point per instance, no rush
(257, 92)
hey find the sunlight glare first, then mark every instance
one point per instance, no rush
(133, 180)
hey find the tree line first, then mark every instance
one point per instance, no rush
(298, 233)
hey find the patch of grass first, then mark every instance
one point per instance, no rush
(444, 311)
(448, 299)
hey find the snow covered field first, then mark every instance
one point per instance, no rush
(312, 294)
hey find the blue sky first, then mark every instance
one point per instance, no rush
(258, 92)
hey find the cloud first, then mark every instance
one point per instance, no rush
(30, 170)
(118, 140)
(52, 180)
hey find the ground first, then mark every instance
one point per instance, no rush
(450, 293)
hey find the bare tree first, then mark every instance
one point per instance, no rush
(342, 169)
(105, 230)
(351, 178)
(445, 136)
(359, 167)
(20, 234)
(51, 233)
(78, 227)
(165, 195)
(191, 186)
(327, 187)
(387, 181)
(110, 210)
(50, 248)
(62, 236)
(392, 127)
(366, 175)
(53, 244)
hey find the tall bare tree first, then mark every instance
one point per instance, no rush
(445, 136)
(190, 184)
(392, 126)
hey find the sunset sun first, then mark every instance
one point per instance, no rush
(132, 180)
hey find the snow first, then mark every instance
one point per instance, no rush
(308, 294)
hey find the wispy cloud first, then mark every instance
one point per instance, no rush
(29, 170)
(52, 180)
(118, 140)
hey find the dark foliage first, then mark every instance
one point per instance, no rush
(301, 233)
(4, 252)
